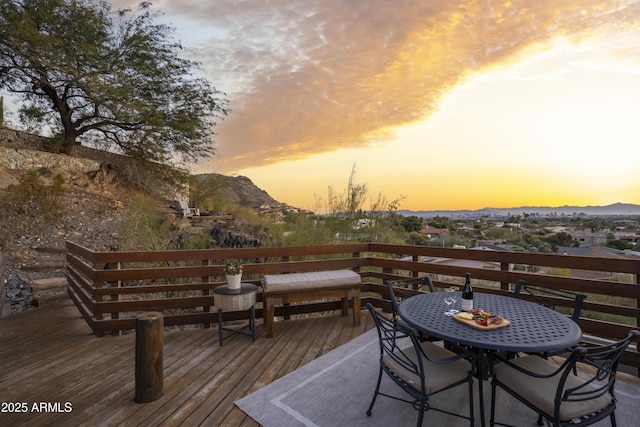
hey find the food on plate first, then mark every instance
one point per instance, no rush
(493, 320)
(481, 317)
(465, 315)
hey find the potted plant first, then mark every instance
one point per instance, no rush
(233, 271)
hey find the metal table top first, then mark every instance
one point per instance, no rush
(245, 288)
(534, 328)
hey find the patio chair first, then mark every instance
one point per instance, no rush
(188, 212)
(552, 298)
(419, 369)
(407, 288)
(555, 392)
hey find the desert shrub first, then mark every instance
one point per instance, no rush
(57, 144)
(501, 233)
(304, 230)
(145, 227)
(33, 195)
(211, 193)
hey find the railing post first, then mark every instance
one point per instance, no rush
(356, 255)
(115, 296)
(205, 292)
(98, 298)
(149, 357)
(504, 266)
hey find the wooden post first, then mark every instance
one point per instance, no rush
(504, 266)
(115, 296)
(149, 357)
(205, 292)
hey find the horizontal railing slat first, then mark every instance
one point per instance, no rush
(524, 258)
(153, 304)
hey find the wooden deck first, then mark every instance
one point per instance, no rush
(50, 355)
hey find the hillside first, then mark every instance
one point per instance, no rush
(32, 245)
(91, 209)
(239, 190)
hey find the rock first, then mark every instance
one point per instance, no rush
(19, 294)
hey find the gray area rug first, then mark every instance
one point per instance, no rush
(336, 389)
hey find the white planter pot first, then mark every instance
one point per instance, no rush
(233, 280)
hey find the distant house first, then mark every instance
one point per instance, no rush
(588, 237)
(557, 229)
(364, 222)
(625, 223)
(432, 232)
(599, 251)
(493, 245)
(469, 231)
(629, 235)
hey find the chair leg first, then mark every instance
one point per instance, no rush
(613, 419)
(423, 407)
(493, 405)
(471, 401)
(375, 394)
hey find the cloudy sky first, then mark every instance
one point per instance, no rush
(450, 104)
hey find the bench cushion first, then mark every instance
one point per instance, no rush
(309, 280)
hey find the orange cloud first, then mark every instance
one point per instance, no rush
(307, 77)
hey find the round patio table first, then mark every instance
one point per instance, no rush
(533, 328)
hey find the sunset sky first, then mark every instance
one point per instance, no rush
(449, 104)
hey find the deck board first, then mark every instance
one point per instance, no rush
(50, 355)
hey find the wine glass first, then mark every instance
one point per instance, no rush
(450, 298)
(456, 294)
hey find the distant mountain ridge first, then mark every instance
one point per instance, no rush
(616, 209)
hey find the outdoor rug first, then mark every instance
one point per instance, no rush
(336, 390)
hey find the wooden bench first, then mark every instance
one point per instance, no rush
(280, 289)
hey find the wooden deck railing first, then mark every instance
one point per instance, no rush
(110, 288)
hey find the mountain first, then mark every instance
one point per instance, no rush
(238, 189)
(616, 209)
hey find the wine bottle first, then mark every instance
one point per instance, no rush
(467, 294)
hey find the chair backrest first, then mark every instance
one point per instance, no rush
(392, 339)
(186, 211)
(405, 288)
(604, 361)
(551, 298)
